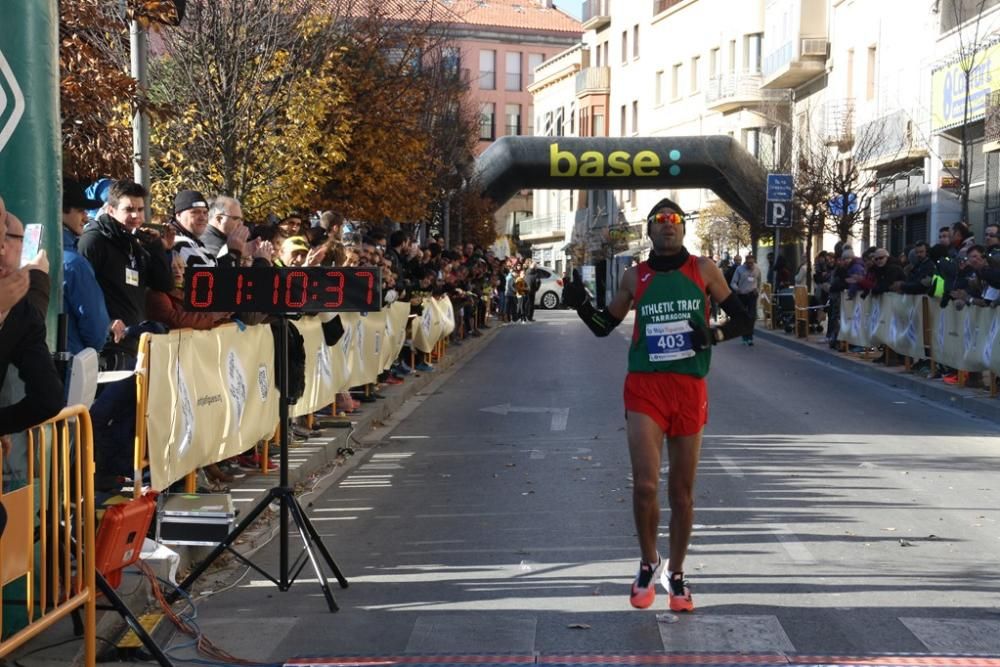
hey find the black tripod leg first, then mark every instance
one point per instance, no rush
(304, 531)
(222, 546)
(322, 547)
(119, 605)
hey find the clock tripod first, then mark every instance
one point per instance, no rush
(289, 505)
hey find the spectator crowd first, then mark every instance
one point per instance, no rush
(955, 269)
(123, 273)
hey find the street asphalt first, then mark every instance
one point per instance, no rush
(837, 514)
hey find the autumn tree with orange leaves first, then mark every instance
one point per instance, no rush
(285, 104)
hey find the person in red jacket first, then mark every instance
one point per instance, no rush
(168, 307)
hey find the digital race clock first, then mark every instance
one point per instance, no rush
(306, 289)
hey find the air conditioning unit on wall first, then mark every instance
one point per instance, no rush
(815, 47)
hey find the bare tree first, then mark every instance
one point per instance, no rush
(834, 186)
(970, 61)
(721, 230)
(231, 72)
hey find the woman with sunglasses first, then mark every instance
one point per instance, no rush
(665, 393)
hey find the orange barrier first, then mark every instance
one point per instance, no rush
(49, 539)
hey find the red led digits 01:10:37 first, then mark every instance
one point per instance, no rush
(282, 290)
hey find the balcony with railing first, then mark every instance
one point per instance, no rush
(796, 43)
(991, 140)
(838, 123)
(545, 226)
(596, 14)
(729, 92)
(787, 66)
(593, 81)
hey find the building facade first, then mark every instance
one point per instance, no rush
(498, 45)
(874, 88)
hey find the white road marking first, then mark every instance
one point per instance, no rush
(560, 416)
(792, 546)
(729, 466)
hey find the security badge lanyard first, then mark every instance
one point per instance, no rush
(131, 271)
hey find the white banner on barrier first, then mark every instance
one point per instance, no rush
(212, 395)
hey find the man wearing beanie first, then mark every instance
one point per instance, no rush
(665, 393)
(189, 223)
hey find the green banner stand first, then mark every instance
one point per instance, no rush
(31, 162)
(30, 145)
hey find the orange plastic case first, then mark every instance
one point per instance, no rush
(120, 536)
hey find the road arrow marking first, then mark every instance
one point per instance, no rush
(560, 416)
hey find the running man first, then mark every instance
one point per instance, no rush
(665, 393)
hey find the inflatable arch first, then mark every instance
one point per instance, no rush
(718, 163)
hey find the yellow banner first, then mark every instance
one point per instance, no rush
(344, 351)
(946, 337)
(447, 312)
(366, 339)
(948, 93)
(427, 328)
(906, 325)
(973, 325)
(395, 332)
(991, 343)
(856, 320)
(322, 379)
(212, 395)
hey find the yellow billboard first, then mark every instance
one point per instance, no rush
(948, 93)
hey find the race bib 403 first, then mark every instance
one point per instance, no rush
(668, 341)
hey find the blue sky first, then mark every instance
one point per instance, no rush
(572, 7)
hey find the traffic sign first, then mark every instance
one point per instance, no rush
(779, 214)
(836, 204)
(780, 187)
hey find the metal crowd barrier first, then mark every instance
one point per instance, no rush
(47, 567)
(435, 344)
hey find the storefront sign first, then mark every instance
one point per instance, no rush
(948, 89)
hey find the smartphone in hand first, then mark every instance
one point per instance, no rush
(32, 242)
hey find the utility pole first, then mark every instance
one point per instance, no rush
(140, 123)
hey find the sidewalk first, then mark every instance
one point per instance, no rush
(976, 402)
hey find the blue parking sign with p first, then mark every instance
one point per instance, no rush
(780, 192)
(779, 214)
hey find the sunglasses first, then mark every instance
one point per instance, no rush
(665, 218)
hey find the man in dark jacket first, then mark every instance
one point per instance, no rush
(534, 278)
(884, 276)
(919, 280)
(125, 265)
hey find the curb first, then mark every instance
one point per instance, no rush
(973, 401)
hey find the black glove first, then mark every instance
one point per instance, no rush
(702, 337)
(574, 295)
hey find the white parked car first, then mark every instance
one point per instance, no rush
(549, 295)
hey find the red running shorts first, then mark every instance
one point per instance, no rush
(678, 403)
